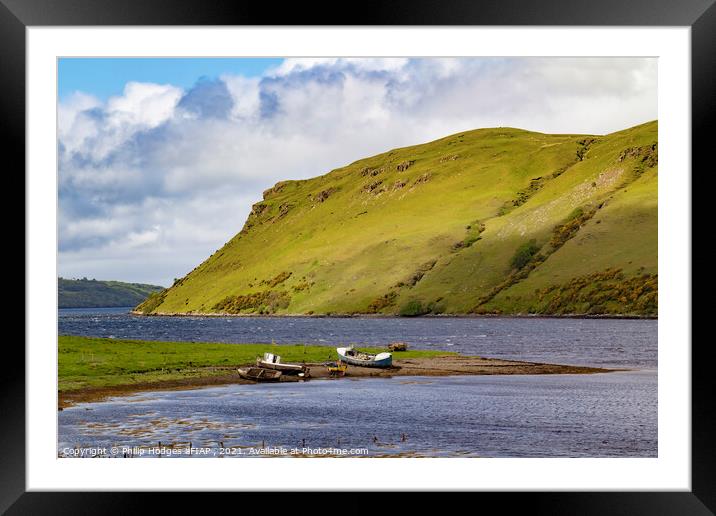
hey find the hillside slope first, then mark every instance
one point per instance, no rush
(90, 293)
(487, 221)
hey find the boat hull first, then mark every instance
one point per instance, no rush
(381, 363)
(284, 368)
(260, 375)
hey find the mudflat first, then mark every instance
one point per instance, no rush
(445, 365)
(466, 365)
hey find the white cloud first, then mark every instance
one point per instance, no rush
(87, 128)
(143, 105)
(171, 175)
(245, 94)
(360, 63)
(74, 125)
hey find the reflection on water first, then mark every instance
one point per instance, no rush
(601, 415)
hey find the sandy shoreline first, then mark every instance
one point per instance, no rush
(453, 365)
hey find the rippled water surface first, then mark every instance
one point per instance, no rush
(600, 342)
(600, 415)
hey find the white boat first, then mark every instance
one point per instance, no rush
(352, 356)
(271, 361)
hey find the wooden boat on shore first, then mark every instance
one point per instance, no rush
(259, 374)
(271, 361)
(352, 356)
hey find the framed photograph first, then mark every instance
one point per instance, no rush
(427, 251)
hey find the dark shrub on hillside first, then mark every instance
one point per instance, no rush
(605, 292)
(276, 280)
(382, 302)
(413, 308)
(267, 301)
(576, 219)
(524, 254)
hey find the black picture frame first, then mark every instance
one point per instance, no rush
(700, 15)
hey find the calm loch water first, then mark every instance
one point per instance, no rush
(601, 415)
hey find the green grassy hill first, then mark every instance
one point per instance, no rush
(90, 293)
(486, 221)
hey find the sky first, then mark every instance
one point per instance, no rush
(107, 77)
(161, 159)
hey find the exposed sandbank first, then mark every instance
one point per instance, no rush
(432, 366)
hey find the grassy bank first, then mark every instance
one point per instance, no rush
(85, 362)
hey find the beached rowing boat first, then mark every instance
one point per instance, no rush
(259, 374)
(271, 361)
(352, 356)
